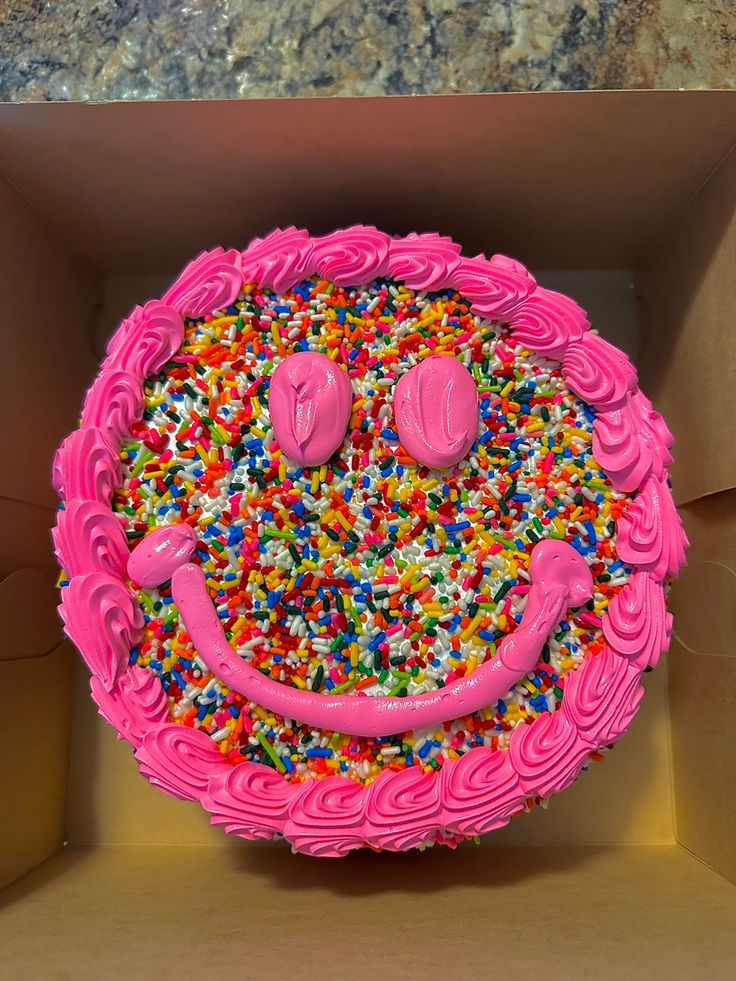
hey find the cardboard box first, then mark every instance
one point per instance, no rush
(626, 200)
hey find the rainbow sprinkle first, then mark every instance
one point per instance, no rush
(368, 574)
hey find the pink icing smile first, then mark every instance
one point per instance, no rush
(560, 579)
(484, 787)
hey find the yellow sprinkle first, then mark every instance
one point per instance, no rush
(472, 627)
(508, 387)
(220, 321)
(343, 521)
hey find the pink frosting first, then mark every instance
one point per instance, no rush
(156, 556)
(496, 287)
(650, 534)
(601, 698)
(148, 337)
(326, 818)
(249, 800)
(103, 620)
(403, 809)
(210, 282)
(560, 578)
(652, 423)
(597, 372)
(179, 760)
(423, 262)
(548, 322)
(134, 705)
(310, 400)
(280, 260)
(436, 410)
(480, 792)
(88, 538)
(547, 754)
(352, 256)
(631, 441)
(85, 467)
(113, 404)
(636, 624)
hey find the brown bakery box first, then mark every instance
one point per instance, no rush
(624, 200)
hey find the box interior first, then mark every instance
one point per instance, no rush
(625, 201)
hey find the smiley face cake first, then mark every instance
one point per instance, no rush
(364, 542)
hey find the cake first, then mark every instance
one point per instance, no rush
(364, 542)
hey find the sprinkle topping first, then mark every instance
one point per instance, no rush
(368, 575)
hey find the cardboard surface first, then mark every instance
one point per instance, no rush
(559, 180)
(35, 762)
(55, 358)
(702, 663)
(252, 912)
(688, 364)
(31, 627)
(569, 182)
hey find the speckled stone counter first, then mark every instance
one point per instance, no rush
(163, 49)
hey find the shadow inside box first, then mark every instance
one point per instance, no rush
(434, 870)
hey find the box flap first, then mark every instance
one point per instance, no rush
(29, 624)
(49, 296)
(35, 761)
(702, 687)
(537, 175)
(688, 363)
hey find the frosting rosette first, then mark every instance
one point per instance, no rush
(650, 532)
(631, 441)
(134, 705)
(480, 792)
(598, 372)
(179, 760)
(249, 800)
(103, 620)
(279, 260)
(88, 538)
(423, 262)
(402, 810)
(145, 340)
(548, 322)
(602, 697)
(547, 754)
(85, 468)
(326, 818)
(496, 286)
(357, 255)
(113, 404)
(210, 282)
(637, 625)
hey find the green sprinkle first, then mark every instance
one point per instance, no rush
(273, 755)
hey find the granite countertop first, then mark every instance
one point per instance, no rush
(166, 49)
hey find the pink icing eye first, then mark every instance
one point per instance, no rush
(310, 399)
(436, 410)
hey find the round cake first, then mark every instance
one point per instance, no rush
(364, 542)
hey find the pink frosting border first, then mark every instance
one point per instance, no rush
(401, 809)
